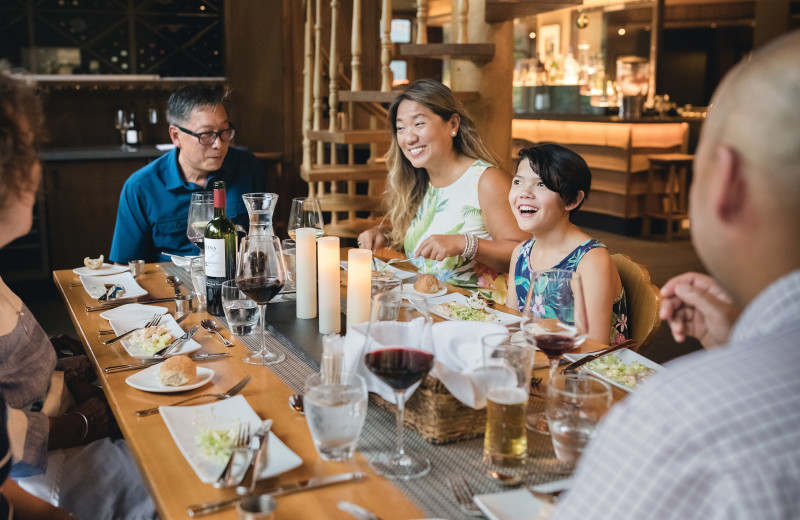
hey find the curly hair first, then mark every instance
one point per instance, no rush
(21, 121)
(406, 185)
(561, 170)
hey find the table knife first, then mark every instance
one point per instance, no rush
(288, 489)
(106, 306)
(356, 511)
(135, 366)
(625, 344)
(177, 343)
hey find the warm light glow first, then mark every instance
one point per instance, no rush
(621, 32)
(532, 35)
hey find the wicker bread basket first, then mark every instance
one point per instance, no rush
(436, 415)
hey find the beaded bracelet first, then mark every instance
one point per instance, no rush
(85, 420)
(470, 246)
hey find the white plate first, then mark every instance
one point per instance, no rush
(132, 312)
(175, 329)
(184, 262)
(501, 317)
(185, 422)
(408, 288)
(626, 356)
(95, 287)
(517, 504)
(104, 270)
(149, 381)
(403, 275)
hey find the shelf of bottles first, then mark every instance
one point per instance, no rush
(161, 38)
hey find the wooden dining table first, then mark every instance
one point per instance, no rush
(170, 479)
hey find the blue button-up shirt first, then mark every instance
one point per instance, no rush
(154, 205)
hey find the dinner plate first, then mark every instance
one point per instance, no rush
(518, 504)
(105, 269)
(149, 381)
(174, 328)
(408, 288)
(403, 275)
(95, 285)
(185, 422)
(132, 312)
(500, 317)
(625, 356)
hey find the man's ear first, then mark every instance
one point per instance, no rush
(731, 186)
(575, 203)
(173, 135)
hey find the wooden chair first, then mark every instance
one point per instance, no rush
(644, 299)
(667, 191)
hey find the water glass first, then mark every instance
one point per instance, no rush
(240, 311)
(197, 268)
(136, 267)
(575, 403)
(506, 377)
(335, 414)
(290, 259)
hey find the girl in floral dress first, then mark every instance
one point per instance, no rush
(551, 182)
(445, 199)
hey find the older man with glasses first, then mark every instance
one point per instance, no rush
(153, 206)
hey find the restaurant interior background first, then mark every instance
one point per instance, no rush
(92, 58)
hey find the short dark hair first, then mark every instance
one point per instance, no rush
(561, 170)
(185, 99)
(21, 122)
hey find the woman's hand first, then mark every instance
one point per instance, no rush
(71, 429)
(373, 238)
(101, 420)
(439, 247)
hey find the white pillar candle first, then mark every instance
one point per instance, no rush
(359, 285)
(306, 273)
(329, 292)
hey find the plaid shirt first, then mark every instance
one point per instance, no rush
(717, 436)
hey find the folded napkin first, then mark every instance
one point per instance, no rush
(457, 352)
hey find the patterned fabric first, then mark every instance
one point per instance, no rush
(523, 274)
(452, 210)
(714, 437)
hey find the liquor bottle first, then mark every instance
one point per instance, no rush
(132, 133)
(220, 249)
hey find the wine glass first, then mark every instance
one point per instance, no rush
(554, 320)
(398, 352)
(305, 213)
(260, 274)
(201, 210)
(122, 122)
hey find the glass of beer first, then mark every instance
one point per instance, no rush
(506, 376)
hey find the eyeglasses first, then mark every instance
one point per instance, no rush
(208, 138)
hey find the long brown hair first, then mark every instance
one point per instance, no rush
(406, 185)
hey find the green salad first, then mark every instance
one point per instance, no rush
(216, 444)
(611, 367)
(474, 309)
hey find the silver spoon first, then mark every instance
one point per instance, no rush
(175, 283)
(211, 326)
(296, 402)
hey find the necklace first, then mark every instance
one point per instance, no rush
(20, 312)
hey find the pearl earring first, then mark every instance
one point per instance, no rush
(454, 133)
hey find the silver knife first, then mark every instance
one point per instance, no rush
(356, 511)
(625, 344)
(295, 487)
(175, 344)
(135, 366)
(106, 306)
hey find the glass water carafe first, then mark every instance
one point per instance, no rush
(260, 207)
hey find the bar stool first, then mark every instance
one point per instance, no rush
(673, 172)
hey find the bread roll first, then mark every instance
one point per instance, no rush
(426, 283)
(177, 371)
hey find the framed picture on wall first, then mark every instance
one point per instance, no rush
(549, 42)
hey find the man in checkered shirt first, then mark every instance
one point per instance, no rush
(717, 435)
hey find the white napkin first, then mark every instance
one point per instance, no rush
(457, 351)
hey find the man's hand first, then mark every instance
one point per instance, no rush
(695, 305)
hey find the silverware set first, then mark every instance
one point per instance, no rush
(228, 478)
(164, 352)
(464, 495)
(136, 366)
(155, 320)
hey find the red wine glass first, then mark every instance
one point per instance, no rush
(554, 320)
(399, 352)
(260, 274)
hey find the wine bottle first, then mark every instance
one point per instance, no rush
(132, 132)
(220, 247)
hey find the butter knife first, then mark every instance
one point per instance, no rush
(294, 487)
(135, 366)
(356, 511)
(106, 306)
(625, 344)
(175, 344)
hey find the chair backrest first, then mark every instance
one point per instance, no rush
(644, 299)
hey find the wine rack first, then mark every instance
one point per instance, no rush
(167, 38)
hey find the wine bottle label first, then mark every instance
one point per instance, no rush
(132, 136)
(215, 257)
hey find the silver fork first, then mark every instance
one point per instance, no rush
(241, 442)
(153, 322)
(235, 389)
(464, 494)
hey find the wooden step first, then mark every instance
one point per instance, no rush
(351, 228)
(350, 136)
(344, 172)
(338, 202)
(455, 51)
(376, 96)
(506, 10)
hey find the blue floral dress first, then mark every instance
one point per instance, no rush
(523, 274)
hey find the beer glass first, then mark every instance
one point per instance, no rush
(506, 377)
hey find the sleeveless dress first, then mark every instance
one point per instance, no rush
(452, 210)
(620, 331)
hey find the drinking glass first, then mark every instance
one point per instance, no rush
(240, 311)
(122, 122)
(260, 274)
(305, 213)
(554, 320)
(575, 403)
(197, 268)
(290, 260)
(201, 210)
(506, 378)
(398, 352)
(335, 413)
